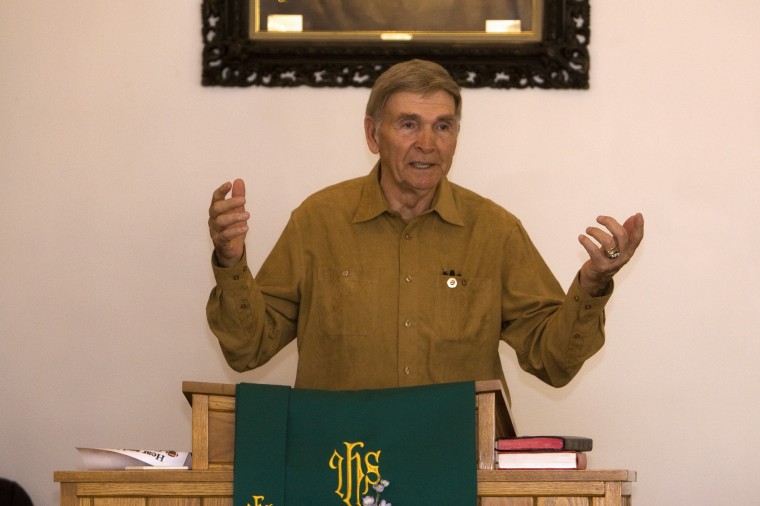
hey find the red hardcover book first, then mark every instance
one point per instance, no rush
(541, 460)
(544, 443)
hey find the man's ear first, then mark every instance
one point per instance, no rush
(370, 132)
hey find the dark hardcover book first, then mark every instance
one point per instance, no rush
(543, 443)
(541, 460)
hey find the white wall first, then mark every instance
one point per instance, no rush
(110, 148)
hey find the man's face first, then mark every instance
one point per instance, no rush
(416, 140)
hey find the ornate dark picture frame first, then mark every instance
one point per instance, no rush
(558, 60)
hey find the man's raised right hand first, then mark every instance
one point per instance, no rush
(228, 222)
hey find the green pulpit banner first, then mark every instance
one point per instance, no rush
(398, 446)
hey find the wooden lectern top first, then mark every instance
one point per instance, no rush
(213, 407)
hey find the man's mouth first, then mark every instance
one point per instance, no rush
(420, 165)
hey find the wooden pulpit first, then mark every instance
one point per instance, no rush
(209, 483)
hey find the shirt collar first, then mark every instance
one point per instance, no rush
(372, 202)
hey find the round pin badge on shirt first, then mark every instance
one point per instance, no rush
(451, 282)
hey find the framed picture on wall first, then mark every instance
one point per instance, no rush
(400, 19)
(341, 43)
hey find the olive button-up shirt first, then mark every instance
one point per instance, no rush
(375, 302)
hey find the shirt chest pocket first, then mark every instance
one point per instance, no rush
(347, 300)
(463, 307)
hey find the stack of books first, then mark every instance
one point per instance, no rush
(542, 452)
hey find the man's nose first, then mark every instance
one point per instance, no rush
(425, 140)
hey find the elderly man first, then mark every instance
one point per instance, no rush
(401, 277)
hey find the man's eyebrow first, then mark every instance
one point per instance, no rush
(451, 118)
(408, 115)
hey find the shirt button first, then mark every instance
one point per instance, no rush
(236, 277)
(407, 371)
(408, 323)
(408, 278)
(576, 298)
(577, 336)
(588, 306)
(243, 306)
(345, 273)
(407, 236)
